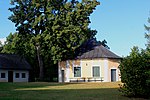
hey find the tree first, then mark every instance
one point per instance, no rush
(9, 46)
(55, 27)
(14, 45)
(133, 70)
(89, 45)
(1, 46)
(147, 34)
(104, 43)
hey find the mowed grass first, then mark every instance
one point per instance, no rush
(61, 91)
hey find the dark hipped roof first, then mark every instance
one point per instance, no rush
(94, 49)
(13, 62)
(98, 52)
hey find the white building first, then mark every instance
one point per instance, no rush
(92, 63)
(13, 68)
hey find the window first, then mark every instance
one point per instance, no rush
(17, 75)
(23, 75)
(96, 71)
(77, 71)
(3, 75)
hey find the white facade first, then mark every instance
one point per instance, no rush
(15, 76)
(6, 76)
(67, 74)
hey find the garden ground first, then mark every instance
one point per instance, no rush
(61, 91)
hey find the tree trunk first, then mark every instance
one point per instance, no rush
(41, 74)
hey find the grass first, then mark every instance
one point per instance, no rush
(61, 91)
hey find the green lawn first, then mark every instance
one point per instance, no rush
(57, 91)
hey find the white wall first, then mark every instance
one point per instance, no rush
(87, 69)
(106, 70)
(6, 76)
(20, 79)
(67, 71)
(59, 73)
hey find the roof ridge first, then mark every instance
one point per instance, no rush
(94, 53)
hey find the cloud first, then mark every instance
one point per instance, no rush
(2, 40)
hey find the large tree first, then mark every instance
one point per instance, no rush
(135, 71)
(134, 74)
(55, 27)
(15, 45)
(147, 34)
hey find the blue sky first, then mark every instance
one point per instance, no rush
(120, 22)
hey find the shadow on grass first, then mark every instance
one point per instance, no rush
(63, 94)
(57, 91)
(37, 85)
(12, 86)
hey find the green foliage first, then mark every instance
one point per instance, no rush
(55, 27)
(147, 34)
(15, 44)
(134, 74)
(148, 71)
(61, 26)
(9, 48)
(135, 71)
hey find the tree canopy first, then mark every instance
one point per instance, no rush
(135, 71)
(51, 29)
(147, 34)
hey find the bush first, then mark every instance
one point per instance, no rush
(135, 74)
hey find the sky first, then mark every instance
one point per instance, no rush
(119, 22)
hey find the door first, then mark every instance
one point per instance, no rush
(10, 76)
(113, 75)
(63, 75)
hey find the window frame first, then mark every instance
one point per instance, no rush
(23, 75)
(93, 75)
(3, 74)
(76, 76)
(17, 75)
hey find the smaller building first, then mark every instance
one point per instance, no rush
(93, 63)
(13, 68)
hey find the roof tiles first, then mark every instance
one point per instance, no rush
(14, 62)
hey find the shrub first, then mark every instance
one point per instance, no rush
(135, 74)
